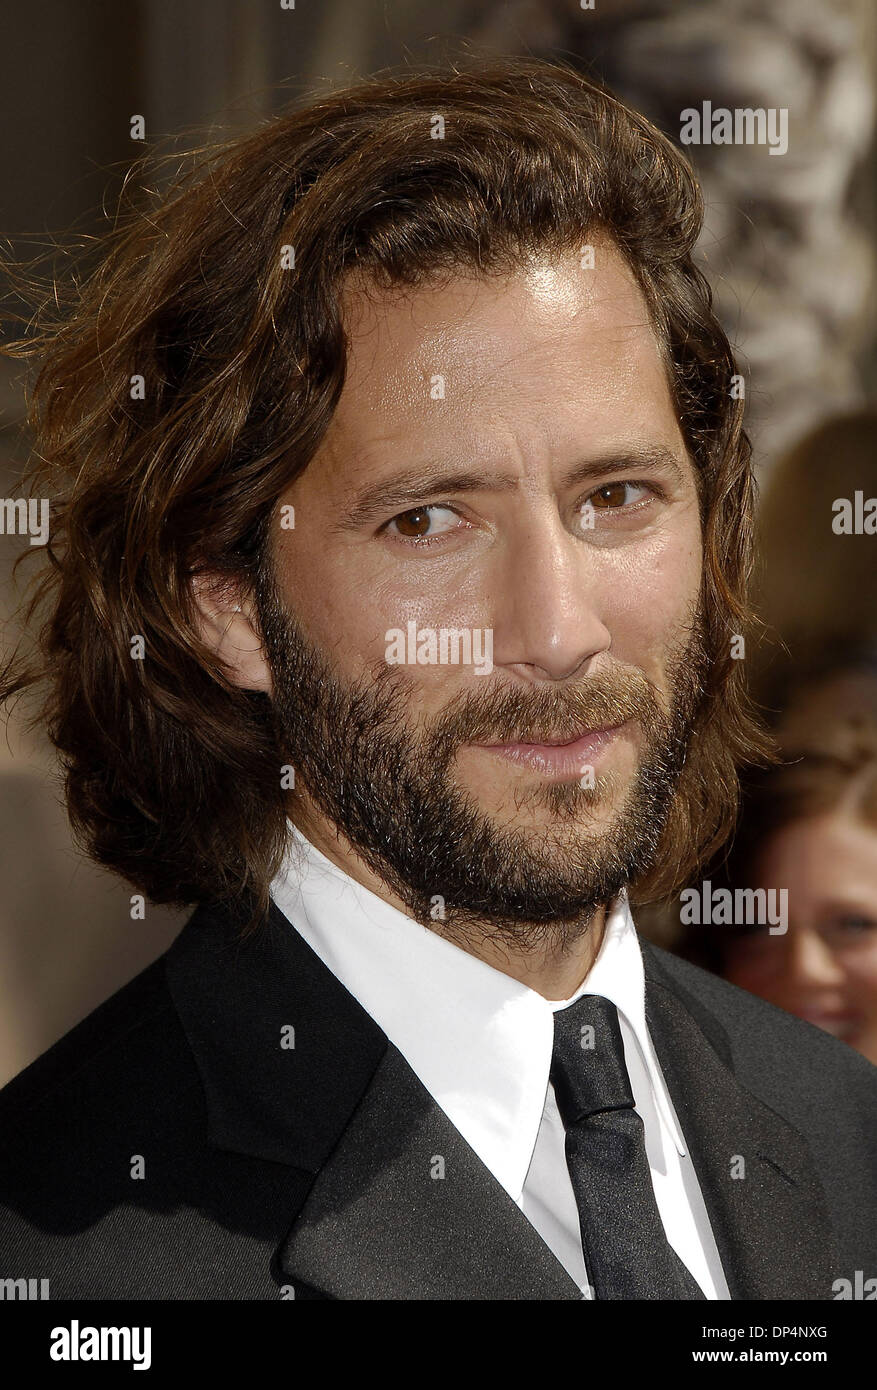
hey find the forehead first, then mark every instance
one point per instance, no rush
(554, 346)
(821, 850)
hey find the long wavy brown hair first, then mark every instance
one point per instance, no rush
(171, 771)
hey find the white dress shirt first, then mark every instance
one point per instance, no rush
(481, 1044)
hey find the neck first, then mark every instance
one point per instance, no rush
(551, 966)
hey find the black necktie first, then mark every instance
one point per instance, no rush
(625, 1246)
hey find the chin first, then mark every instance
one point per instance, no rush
(531, 807)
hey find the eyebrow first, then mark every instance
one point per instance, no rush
(407, 490)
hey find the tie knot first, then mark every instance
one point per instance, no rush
(588, 1070)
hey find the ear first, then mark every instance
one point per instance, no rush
(227, 624)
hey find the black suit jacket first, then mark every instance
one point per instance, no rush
(176, 1145)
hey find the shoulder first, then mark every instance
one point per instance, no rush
(103, 1071)
(99, 1135)
(779, 1056)
(110, 1182)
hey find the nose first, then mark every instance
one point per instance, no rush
(549, 610)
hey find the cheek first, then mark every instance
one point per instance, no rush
(339, 611)
(651, 597)
(353, 610)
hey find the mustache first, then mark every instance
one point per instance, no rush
(503, 715)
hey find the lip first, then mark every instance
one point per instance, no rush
(558, 759)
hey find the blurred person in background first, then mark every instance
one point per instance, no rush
(809, 826)
(817, 539)
(816, 662)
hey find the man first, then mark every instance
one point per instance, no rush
(402, 548)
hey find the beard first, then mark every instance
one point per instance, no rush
(388, 785)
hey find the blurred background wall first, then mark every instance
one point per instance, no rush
(788, 245)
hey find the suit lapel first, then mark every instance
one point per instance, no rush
(404, 1209)
(767, 1212)
(385, 1199)
(295, 1072)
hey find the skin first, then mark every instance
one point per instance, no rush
(551, 370)
(824, 968)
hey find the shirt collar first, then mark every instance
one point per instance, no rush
(479, 1040)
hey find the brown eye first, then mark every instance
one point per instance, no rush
(612, 495)
(413, 523)
(428, 523)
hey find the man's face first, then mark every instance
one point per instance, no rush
(505, 461)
